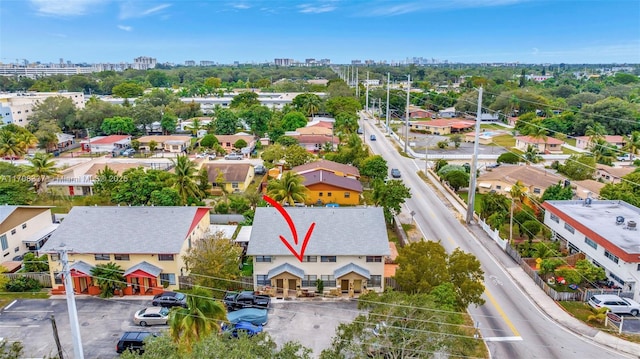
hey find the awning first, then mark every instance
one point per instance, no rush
(81, 269)
(286, 267)
(41, 234)
(484, 185)
(143, 270)
(351, 267)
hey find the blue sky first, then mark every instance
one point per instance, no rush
(526, 31)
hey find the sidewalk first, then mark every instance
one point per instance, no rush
(547, 305)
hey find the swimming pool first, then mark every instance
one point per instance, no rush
(488, 134)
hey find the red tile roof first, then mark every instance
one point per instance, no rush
(110, 139)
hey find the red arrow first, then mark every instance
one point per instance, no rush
(292, 227)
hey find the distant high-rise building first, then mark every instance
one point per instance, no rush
(207, 63)
(283, 62)
(356, 62)
(144, 63)
(189, 63)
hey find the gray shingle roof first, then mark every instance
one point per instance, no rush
(82, 267)
(338, 231)
(124, 229)
(285, 267)
(145, 267)
(351, 267)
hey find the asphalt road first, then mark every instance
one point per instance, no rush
(510, 323)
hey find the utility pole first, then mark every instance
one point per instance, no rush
(357, 84)
(426, 156)
(511, 223)
(406, 119)
(367, 95)
(89, 139)
(71, 302)
(56, 337)
(388, 84)
(474, 162)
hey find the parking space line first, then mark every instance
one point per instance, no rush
(11, 304)
(28, 311)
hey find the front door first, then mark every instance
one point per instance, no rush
(357, 285)
(292, 287)
(279, 285)
(344, 285)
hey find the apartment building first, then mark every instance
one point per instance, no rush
(17, 107)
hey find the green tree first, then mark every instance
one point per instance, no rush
(390, 196)
(288, 189)
(137, 185)
(295, 155)
(60, 109)
(128, 90)
(209, 141)
(307, 103)
(293, 120)
(213, 261)
(456, 139)
(240, 144)
(106, 182)
(118, 125)
(45, 132)
(9, 146)
(627, 190)
(557, 192)
(579, 167)
(109, 277)
(165, 197)
(185, 181)
(42, 168)
(374, 167)
(632, 143)
(494, 203)
(589, 272)
(457, 179)
(346, 123)
(201, 318)
(531, 228)
(257, 117)
(531, 155)
(238, 204)
(459, 268)
(226, 122)
(244, 99)
(509, 157)
(287, 141)
(168, 123)
(273, 153)
(340, 104)
(31, 263)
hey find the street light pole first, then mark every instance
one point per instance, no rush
(406, 120)
(388, 83)
(474, 162)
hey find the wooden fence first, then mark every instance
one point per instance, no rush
(43, 278)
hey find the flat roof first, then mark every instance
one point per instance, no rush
(599, 218)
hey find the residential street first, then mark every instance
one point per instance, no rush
(511, 324)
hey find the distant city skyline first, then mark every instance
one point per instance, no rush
(253, 31)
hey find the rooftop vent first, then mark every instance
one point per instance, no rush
(587, 201)
(632, 226)
(619, 220)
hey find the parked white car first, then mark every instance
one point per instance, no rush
(151, 316)
(615, 304)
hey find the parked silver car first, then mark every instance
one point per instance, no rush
(233, 156)
(615, 304)
(151, 316)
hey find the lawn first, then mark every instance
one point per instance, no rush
(247, 267)
(491, 127)
(476, 204)
(507, 141)
(8, 297)
(582, 311)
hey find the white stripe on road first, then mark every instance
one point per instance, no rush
(503, 339)
(9, 306)
(29, 311)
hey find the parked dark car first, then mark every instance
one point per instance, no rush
(133, 341)
(170, 299)
(255, 316)
(245, 299)
(395, 173)
(260, 170)
(372, 137)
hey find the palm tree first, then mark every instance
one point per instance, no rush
(185, 179)
(632, 143)
(26, 140)
(595, 131)
(517, 191)
(9, 145)
(603, 152)
(109, 277)
(202, 316)
(288, 189)
(195, 126)
(531, 155)
(311, 104)
(42, 168)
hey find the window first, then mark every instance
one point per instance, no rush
(57, 276)
(24, 225)
(309, 280)
(616, 278)
(375, 281)
(169, 278)
(347, 194)
(13, 231)
(263, 258)
(536, 190)
(320, 194)
(328, 280)
(310, 258)
(16, 249)
(568, 227)
(327, 258)
(554, 218)
(3, 242)
(165, 257)
(611, 256)
(121, 257)
(262, 279)
(328, 194)
(590, 243)
(498, 186)
(375, 259)
(54, 257)
(638, 268)
(234, 185)
(102, 256)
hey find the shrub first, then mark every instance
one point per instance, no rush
(319, 286)
(23, 284)
(443, 144)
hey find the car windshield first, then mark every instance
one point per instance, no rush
(164, 311)
(596, 300)
(142, 311)
(180, 296)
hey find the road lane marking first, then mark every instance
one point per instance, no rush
(10, 305)
(28, 311)
(503, 339)
(501, 312)
(452, 242)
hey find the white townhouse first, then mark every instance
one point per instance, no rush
(346, 250)
(24, 229)
(605, 231)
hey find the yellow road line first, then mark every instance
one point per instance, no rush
(501, 312)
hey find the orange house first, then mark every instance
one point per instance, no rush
(325, 187)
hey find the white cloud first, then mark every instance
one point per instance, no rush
(310, 9)
(132, 9)
(125, 28)
(401, 9)
(65, 7)
(241, 6)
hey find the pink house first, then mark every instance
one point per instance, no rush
(544, 145)
(584, 142)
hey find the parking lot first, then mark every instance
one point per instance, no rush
(102, 322)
